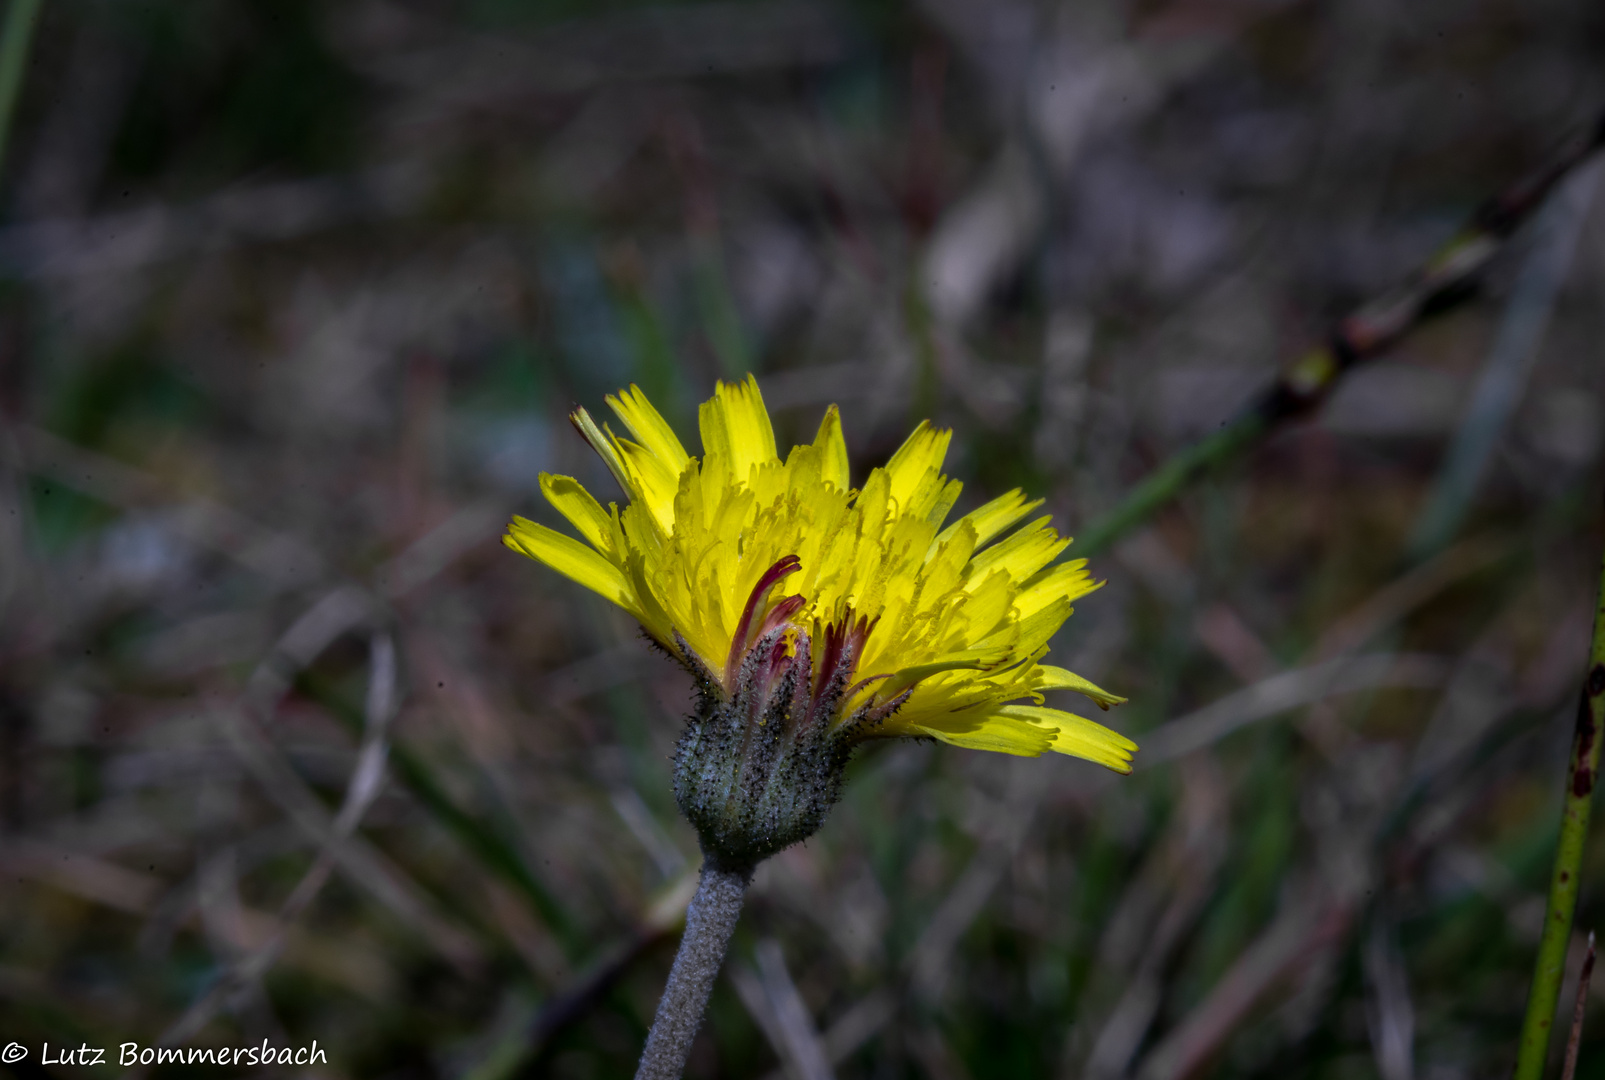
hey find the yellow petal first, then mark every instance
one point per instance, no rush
(922, 453)
(1024, 636)
(582, 511)
(1037, 628)
(992, 518)
(1067, 581)
(998, 733)
(909, 676)
(936, 510)
(649, 428)
(1021, 555)
(1058, 678)
(832, 450)
(651, 482)
(572, 559)
(736, 425)
(649, 609)
(944, 564)
(1079, 737)
(986, 608)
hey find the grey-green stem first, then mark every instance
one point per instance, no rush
(709, 922)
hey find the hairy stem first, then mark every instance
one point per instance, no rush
(1582, 770)
(709, 922)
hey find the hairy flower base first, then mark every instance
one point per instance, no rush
(758, 769)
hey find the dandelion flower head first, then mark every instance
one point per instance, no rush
(746, 567)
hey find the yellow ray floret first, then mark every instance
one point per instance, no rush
(947, 625)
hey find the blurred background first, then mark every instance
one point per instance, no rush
(295, 296)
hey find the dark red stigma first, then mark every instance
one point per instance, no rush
(743, 637)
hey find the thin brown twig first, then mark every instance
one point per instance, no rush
(352, 853)
(1574, 1040)
(800, 1044)
(861, 1022)
(1390, 1014)
(367, 780)
(1302, 932)
(657, 924)
(77, 874)
(930, 959)
(1279, 693)
(1156, 915)
(1407, 592)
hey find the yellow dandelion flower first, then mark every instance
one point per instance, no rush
(828, 615)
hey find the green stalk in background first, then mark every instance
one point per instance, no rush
(1582, 770)
(1446, 280)
(1167, 481)
(15, 38)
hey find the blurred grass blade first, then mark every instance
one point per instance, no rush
(1582, 770)
(721, 319)
(1510, 362)
(489, 845)
(15, 39)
